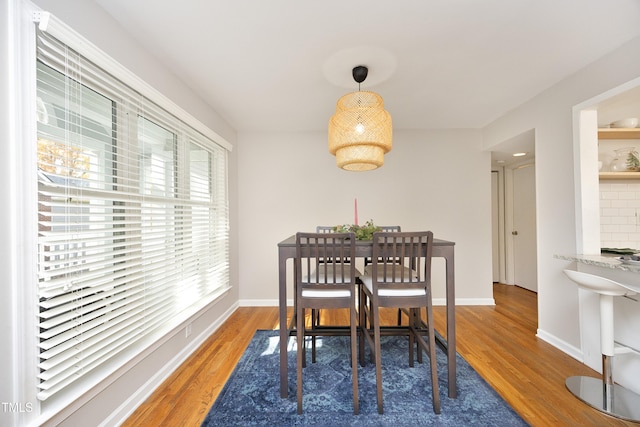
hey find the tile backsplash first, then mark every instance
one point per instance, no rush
(620, 214)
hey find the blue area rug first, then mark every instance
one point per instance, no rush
(251, 396)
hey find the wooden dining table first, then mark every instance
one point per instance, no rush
(364, 248)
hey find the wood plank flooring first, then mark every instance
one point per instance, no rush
(499, 342)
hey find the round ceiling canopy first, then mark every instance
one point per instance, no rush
(381, 64)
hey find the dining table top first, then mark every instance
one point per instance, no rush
(291, 241)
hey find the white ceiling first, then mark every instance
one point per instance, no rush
(282, 64)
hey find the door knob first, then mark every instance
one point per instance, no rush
(515, 233)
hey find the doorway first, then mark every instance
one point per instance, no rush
(514, 212)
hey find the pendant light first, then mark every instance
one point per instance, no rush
(360, 131)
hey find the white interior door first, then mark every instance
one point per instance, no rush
(525, 260)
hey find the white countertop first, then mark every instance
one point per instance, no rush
(606, 261)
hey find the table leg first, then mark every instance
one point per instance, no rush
(451, 323)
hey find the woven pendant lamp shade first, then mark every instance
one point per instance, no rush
(360, 131)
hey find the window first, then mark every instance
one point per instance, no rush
(132, 219)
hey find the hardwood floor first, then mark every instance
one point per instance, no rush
(499, 342)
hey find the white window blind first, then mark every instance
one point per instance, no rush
(132, 218)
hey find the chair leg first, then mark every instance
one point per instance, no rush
(432, 356)
(417, 322)
(315, 321)
(412, 339)
(354, 359)
(300, 357)
(362, 324)
(373, 352)
(378, 359)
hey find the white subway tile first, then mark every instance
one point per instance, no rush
(627, 195)
(629, 228)
(620, 237)
(620, 220)
(620, 214)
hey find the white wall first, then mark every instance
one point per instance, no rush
(124, 391)
(551, 115)
(437, 180)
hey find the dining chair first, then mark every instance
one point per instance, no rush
(367, 260)
(400, 277)
(325, 279)
(316, 314)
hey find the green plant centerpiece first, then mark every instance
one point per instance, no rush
(362, 232)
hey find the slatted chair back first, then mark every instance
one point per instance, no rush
(402, 261)
(390, 228)
(384, 229)
(322, 260)
(331, 229)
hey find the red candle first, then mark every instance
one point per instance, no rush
(355, 210)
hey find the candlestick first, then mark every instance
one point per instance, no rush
(355, 209)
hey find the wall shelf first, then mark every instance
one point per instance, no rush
(619, 175)
(619, 133)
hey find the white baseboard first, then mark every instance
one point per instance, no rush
(436, 301)
(138, 397)
(561, 345)
(466, 301)
(262, 303)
